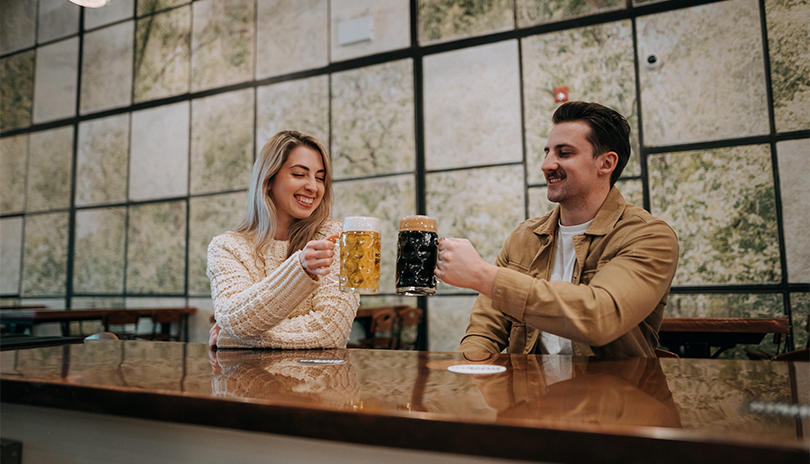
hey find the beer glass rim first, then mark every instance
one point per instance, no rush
(361, 223)
(417, 222)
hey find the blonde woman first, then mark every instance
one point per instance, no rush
(266, 274)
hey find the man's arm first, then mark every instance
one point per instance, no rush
(488, 331)
(460, 265)
(621, 293)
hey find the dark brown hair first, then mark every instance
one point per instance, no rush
(609, 130)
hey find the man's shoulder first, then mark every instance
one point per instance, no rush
(638, 222)
(642, 216)
(532, 224)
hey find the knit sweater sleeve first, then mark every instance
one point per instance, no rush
(326, 325)
(244, 307)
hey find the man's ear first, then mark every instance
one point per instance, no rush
(607, 163)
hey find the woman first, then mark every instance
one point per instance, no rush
(266, 274)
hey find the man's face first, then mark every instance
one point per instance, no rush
(569, 166)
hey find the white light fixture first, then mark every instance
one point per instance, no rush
(90, 3)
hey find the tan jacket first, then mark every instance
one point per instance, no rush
(612, 307)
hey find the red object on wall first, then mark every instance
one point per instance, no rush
(560, 94)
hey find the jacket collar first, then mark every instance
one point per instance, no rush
(605, 220)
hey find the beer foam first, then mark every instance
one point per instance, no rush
(370, 224)
(423, 223)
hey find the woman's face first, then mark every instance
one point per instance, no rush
(297, 189)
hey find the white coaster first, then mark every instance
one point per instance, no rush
(318, 362)
(476, 369)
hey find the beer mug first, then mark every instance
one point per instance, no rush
(360, 255)
(417, 253)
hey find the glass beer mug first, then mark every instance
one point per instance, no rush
(360, 255)
(416, 255)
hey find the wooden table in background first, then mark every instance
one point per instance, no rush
(694, 337)
(22, 319)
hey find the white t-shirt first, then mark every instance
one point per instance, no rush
(564, 260)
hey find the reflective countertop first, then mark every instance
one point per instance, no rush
(538, 406)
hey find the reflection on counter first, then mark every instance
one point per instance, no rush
(562, 389)
(697, 395)
(271, 374)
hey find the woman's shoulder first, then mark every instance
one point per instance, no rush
(231, 239)
(330, 226)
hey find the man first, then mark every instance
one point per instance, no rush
(592, 277)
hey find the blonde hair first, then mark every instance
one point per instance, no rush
(261, 219)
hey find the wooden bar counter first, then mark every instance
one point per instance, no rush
(140, 401)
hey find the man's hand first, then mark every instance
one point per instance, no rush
(460, 265)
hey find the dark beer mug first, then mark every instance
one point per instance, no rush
(416, 256)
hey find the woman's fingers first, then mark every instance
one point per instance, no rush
(316, 257)
(213, 334)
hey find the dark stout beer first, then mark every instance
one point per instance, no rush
(416, 256)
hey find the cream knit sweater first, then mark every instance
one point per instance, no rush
(271, 302)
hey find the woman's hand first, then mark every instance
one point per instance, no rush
(316, 257)
(213, 334)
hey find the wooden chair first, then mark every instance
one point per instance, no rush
(167, 317)
(408, 319)
(798, 355)
(381, 330)
(122, 318)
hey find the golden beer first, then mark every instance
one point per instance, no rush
(360, 255)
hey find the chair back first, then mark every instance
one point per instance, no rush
(382, 328)
(408, 318)
(389, 327)
(164, 319)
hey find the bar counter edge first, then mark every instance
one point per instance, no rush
(408, 432)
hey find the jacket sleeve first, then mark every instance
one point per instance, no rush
(622, 292)
(488, 331)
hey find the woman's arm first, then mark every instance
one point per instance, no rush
(246, 308)
(326, 326)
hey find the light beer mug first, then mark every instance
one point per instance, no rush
(417, 252)
(360, 255)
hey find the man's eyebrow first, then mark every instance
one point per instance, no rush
(559, 145)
